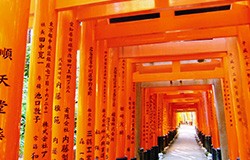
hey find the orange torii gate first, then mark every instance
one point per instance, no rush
(112, 52)
(177, 101)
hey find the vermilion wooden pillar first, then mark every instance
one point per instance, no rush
(63, 119)
(230, 120)
(199, 117)
(160, 114)
(122, 108)
(239, 90)
(143, 122)
(244, 57)
(101, 99)
(203, 119)
(154, 120)
(147, 119)
(165, 116)
(129, 105)
(40, 91)
(112, 104)
(213, 119)
(13, 27)
(134, 118)
(85, 143)
(207, 113)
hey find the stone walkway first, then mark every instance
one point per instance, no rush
(185, 146)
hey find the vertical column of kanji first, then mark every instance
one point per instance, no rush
(101, 99)
(133, 118)
(171, 117)
(239, 93)
(64, 87)
(160, 114)
(112, 104)
(210, 113)
(39, 110)
(154, 119)
(121, 111)
(230, 120)
(147, 121)
(165, 115)
(87, 91)
(143, 125)
(244, 50)
(151, 101)
(13, 28)
(174, 118)
(129, 91)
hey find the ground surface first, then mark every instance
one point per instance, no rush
(185, 146)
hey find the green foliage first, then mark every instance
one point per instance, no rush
(24, 99)
(25, 96)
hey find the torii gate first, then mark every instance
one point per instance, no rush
(110, 47)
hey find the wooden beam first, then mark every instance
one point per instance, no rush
(184, 35)
(182, 96)
(174, 48)
(217, 73)
(238, 15)
(184, 67)
(66, 4)
(181, 105)
(182, 88)
(127, 8)
(178, 57)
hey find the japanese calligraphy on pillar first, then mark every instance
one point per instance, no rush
(87, 94)
(120, 144)
(63, 129)
(153, 118)
(246, 58)
(112, 105)
(64, 88)
(160, 113)
(40, 95)
(128, 131)
(6, 53)
(143, 126)
(12, 59)
(239, 93)
(104, 110)
(101, 100)
(147, 119)
(227, 101)
(235, 83)
(165, 115)
(133, 119)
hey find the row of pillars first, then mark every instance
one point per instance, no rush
(106, 115)
(105, 127)
(160, 117)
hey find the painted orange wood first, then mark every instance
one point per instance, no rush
(13, 38)
(101, 99)
(38, 129)
(85, 142)
(63, 118)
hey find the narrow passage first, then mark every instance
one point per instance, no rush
(185, 146)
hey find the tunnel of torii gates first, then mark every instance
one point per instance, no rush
(125, 100)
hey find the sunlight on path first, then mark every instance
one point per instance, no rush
(185, 146)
